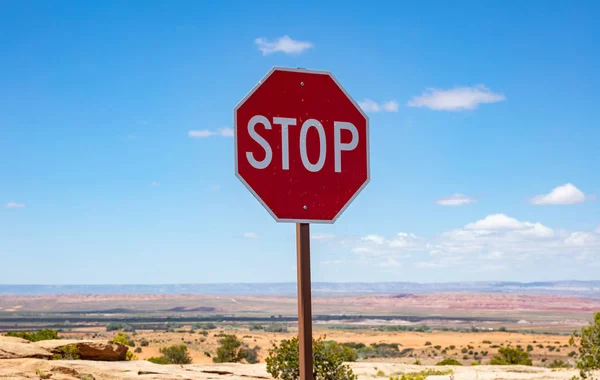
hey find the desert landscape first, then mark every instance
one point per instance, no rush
(389, 334)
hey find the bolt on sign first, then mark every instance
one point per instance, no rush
(302, 149)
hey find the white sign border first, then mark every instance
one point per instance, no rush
(235, 127)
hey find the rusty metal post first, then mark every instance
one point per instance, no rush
(304, 301)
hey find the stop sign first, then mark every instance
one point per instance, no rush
(301, 145)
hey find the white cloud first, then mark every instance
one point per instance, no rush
(155, 184)
(496, 222)
(321, 236)
(582, 239)
(215, 187)
(377, 239)
(561, 195)
(459, 98)
(283, 44)
(369, 105)
(455, 200)
(204, 133)
(597, 229)
(12, 204)
(495, 242)
(250, 235)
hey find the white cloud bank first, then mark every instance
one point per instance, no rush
(283, 44)
(204, 133)
(12, 204)
(478, 245)
(372, 106)
(456, 99)
(250, 235)
(561, 195)
(455, 200)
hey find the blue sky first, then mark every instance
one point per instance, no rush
(117, 160)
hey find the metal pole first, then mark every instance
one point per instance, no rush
(304, 301)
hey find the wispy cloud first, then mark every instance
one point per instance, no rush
(369, 105)
(12, 204)
(331, 262)
(204, 133)
(455, 200)
(561, 195)
(155, 184)
(250, 235)
(283, 44)
(456, 99)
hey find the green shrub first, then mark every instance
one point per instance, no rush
(123, 338)
(486, 342)
(250, 354)
(144, 342)
(464, 350)
(529, 348)
(502, 329)
(229, 351)
(572, 354)
(282, 362)
(69, 352)
(587, 341)
(558, 364)
(428, 343)
(276, 328)
(449, 361)
(138, 350)
(158, 360)
(511, 356)
(46, 334)
(177, 354)
(421, 375)
(380, 373)
(452, 347)
(437, 347)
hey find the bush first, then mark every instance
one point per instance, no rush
(123, 338)
(144, 342)
(46, 334)
(250, 354)
(421, 375)
(158, 360)
(70, 352)
(282, 362)
(452, 347)
(177, 354)
(428, 343)
(511, 356)
(229, 351)
(449, 361)
(502, 329)
(276, 328)
(464, 351)
(437, 347)
(558, 364)
(529, 348)
(587, 341)
(138, 350)
(486, 342)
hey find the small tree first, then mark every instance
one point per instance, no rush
(511, 356)
(229, 352)
(176, 354)
(283, 362)
(587, 341)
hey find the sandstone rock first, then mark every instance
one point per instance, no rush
(103, 350)
(16, 348)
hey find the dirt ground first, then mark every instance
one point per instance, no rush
(427, 346)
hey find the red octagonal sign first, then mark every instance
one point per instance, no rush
(301, 145)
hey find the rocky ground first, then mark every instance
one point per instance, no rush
(143, 370)
(103, 359)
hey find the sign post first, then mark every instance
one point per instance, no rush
(302, 149)
(304, 301)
